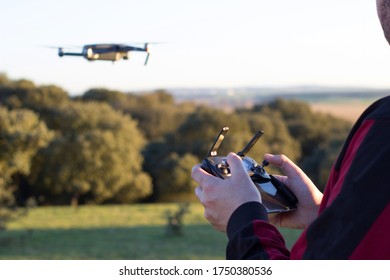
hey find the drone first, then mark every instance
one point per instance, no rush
(108, 52)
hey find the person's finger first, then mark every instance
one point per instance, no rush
(197, 173)
(235, 164)
(284, 163)
(282, 179)
(199, 193)
(201, 176)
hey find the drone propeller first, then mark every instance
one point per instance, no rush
(61, 50)
(62, 46)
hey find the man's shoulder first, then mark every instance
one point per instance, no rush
(379, 109)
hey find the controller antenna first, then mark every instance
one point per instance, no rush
(217, 142)
(250, 144)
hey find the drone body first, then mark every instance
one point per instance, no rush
(109, 52)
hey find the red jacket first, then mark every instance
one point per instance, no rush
(354, 217)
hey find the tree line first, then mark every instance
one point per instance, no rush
(107, 146)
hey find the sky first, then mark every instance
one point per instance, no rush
(202, 43)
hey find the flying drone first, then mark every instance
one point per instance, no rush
(110, 52)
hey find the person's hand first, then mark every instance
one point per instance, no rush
(309, 197)
(221, 197)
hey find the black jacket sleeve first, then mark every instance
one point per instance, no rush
(252, 237)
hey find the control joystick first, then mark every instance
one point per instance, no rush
(276, 197)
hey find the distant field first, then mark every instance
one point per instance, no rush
(348, 109)
(131, 232)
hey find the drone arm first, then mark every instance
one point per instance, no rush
(133, 49)
(61, 53)
(72, 54)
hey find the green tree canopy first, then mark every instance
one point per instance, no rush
(198, 131)
(157, 114)
(21, 135)
(96, 156)
(320, 135)
(174, 180)
(309, 128)
(25, 94)
(114, 98)
(276, 138)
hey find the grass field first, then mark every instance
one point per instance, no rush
(346, 109)
(132, 232)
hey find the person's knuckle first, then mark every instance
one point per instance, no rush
(283, 157)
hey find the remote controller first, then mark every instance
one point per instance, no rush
(276, 197)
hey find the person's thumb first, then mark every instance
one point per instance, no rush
(235, 163)
(237, 168)
(284, 163)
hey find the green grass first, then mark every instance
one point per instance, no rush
(113, 232)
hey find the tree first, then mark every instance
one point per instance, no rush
(112, 97)
(319, 164)
(157, 113)
(318, 134)
(198, 131)
(95, 156)
(25, 94)
(174, 182)
(4, 80)
(21, 135)
(305, 126)
(12, 92)
(180, 149)
(276, 138)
